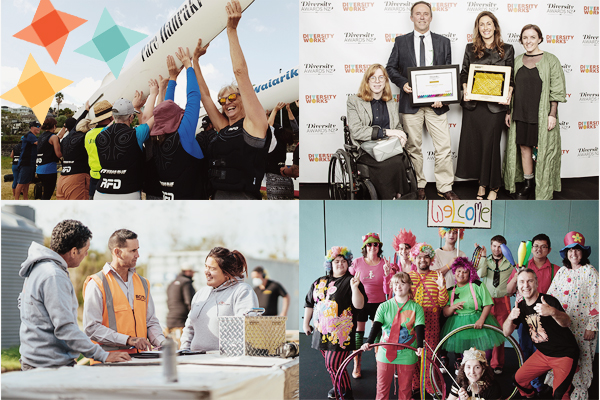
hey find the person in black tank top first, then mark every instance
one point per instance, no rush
(238, 152)
(74, 180)
(48, 155)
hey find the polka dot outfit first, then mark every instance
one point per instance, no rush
(577, 291)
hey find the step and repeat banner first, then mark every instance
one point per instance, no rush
(339, 40)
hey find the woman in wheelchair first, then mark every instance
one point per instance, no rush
(373, 115)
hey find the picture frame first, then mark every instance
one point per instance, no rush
(434, 83)
(493, 71)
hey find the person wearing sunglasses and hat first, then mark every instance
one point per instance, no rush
(576, 287)
(121, 148)
(371, 268)
(26, 163)
(237, 155)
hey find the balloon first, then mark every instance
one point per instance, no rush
(521, 253)
(507, 254)
(528, 244)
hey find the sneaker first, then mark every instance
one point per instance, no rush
(498, 371)
(331, 394)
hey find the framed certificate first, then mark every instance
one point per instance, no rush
(435, 83)
(488, 83)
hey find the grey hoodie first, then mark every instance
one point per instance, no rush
(201, 330)
(50, 336)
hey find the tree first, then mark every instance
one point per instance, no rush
(59, 99)
(67, 112)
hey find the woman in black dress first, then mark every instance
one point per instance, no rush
(483, 123)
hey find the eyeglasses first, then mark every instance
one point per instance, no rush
(231, 97)
(372, 244)
(380, 78)
(543, 247)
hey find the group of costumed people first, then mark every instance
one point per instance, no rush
(422, 295)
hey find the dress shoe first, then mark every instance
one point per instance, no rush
(527, 189)
(421, 194)
(449, 195)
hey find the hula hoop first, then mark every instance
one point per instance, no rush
(494, 328)
(338, 375)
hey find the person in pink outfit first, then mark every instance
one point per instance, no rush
(371, 268)
(402, 244)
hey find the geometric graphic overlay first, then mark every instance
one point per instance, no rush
(110, 43)
(36, 89)
(50, 29)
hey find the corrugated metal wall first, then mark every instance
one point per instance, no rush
(17, 235)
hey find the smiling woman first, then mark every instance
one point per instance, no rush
(238, 153)
(226, 295)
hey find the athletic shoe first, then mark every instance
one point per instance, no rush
(331, 394)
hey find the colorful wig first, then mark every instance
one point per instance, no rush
(461, 232)
(404, 237)
(466, 264)
(333, 253)
(421, 248)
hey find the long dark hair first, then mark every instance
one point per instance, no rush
(49, 124)
(232, 263)
(463, 381)
(478, 44)
(584, 260)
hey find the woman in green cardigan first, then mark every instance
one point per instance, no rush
(533, 121)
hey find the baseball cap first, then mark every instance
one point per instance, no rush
(34, 124)
(123, 107)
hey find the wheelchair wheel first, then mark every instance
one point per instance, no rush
(341, 182)
(370, 193)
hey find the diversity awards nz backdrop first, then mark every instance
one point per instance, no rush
(339, 40)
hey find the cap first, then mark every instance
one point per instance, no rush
(123, 107)
(34, 124)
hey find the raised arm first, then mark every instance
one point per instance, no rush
(162, 89)
(255, 122)
(274, 112)
(218, 120)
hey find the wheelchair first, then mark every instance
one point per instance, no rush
(349, 180)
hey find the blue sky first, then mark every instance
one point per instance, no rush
(268, 33)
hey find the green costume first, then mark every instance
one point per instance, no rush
(547, 168)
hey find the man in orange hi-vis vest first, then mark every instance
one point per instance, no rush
(118, 311)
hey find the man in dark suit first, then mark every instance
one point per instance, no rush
(423, 48)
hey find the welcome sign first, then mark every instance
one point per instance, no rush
(460, 213)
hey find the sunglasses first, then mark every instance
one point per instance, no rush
(231, 97)
(372, 244)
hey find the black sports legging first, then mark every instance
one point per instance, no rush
(48, 185)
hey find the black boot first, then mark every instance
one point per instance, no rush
(527, 189)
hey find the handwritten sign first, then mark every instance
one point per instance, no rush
(460, 213)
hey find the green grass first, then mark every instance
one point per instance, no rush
(10, 359)
(6, 162)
